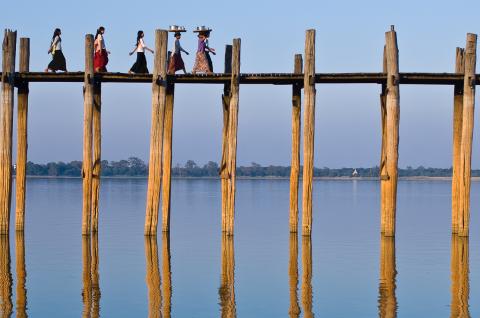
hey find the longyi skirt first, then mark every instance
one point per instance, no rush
(201, 63)
(140, 66)
(58, 62)
(176, 63)
(100, 60)
(209, 60)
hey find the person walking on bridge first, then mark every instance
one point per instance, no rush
(58, 62)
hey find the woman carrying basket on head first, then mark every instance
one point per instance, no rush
(140, 66)
(201, 59)
(58, 62)
(100, 59)
(176, 62)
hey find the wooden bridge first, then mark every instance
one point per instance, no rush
(463, 80)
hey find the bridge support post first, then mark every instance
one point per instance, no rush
(226, 114)
(97, 150)
(167, 158)
(467, 135)
(296, 133)
(231, 163)
(457, 137)
(87, 136)
(22, 142)
(159, 92)
(391, 124)
(308, 131)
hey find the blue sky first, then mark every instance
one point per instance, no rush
(350, 38)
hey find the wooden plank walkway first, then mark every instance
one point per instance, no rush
(249, 78)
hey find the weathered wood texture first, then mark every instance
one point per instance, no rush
(296, 135)
(383, 155)
(21, 275)
(392, 107)
(308, 131)
(167, 158)
(416, 78)
(22, 142)
(457, 136)
(159, 92)
(6, 126)
(153, 277)
(167, 276)
(387, 299)
(6, 283)
(467, 135)
(294, 309)
(87, 136)
(460, 268)
(232, 138)
(97, 153)
(307, 289)
(226, 114)
(227, 279)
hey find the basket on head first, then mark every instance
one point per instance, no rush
(202, 28)
(176, 28)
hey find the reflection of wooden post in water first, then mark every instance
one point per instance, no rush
(6, 305)
(227, 281)
(307, 290)
(387, 300)
(87, 278)
(460, 277)
(21, 275)
(91, 284)
(167, 276)
(95, 278)
(153, 277)
(293, 276)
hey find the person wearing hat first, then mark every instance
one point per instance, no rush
(176, 62)
(201, 62)
(140, 65)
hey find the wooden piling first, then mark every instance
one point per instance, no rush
(97, 151)
(6, 124)
(21, 275)
(167, 158)
(383, 155)
(296, 133)
(392, 107)
(22, 112)
(387, 299)
(467, 135)
(226, 114)
(227, 279)
(460, 285)
(307, 289)
(153, 277)
(457, 136)
(294, 310)
(308, 131)
(232, 137)
(167, 276)
(159, 91)
(87, 136)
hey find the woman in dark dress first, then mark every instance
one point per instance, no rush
(140, 65)
(58, 62)
(176, 62)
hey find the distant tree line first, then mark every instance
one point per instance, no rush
(135, 167)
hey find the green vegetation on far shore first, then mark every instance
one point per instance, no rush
(135, 167)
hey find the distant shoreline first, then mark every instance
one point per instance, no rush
(419, 178)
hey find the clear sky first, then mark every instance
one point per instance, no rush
(350, 38)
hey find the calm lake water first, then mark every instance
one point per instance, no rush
(345, 270)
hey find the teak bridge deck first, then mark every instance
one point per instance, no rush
(304, 77)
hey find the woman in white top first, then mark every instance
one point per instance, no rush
(58, 62)
(100, 59)
(140, 66)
